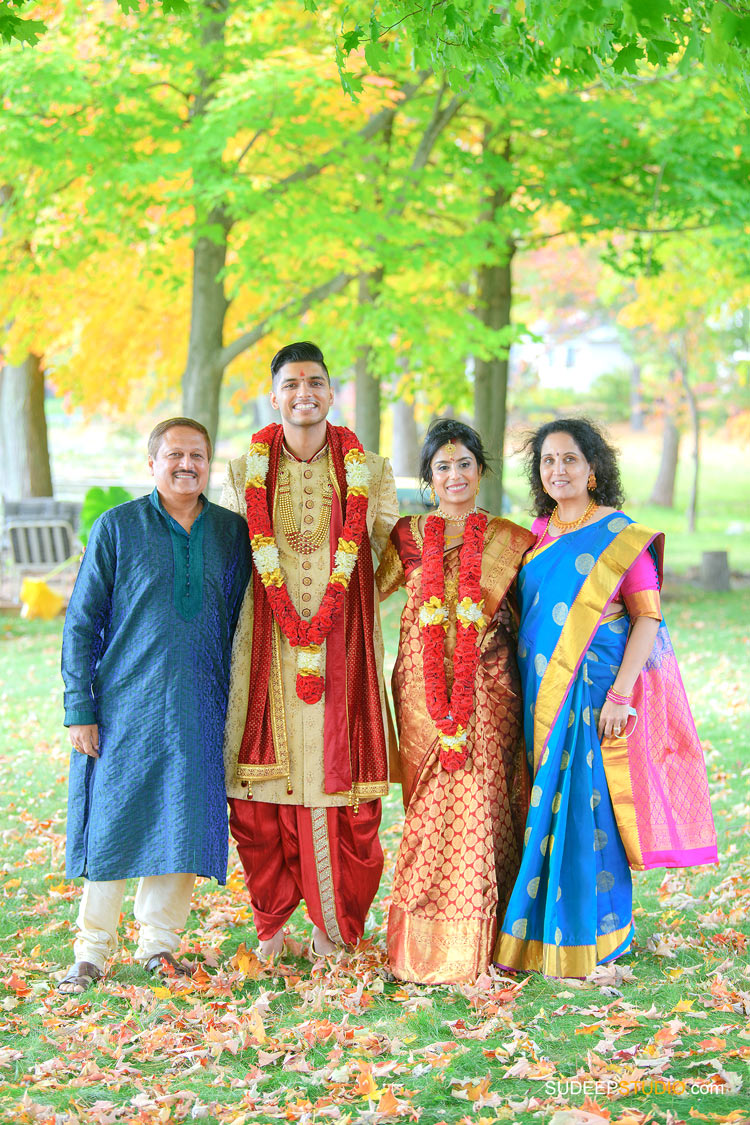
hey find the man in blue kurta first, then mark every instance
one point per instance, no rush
(145, 660)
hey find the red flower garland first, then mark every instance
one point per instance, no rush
(451, 716)
(296, 630)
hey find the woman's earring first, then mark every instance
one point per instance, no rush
(591, 482)
(433, 496)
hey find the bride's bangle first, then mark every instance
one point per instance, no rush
(619, 700)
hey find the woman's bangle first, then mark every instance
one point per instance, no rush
(619, 700)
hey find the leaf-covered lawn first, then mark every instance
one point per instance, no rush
(661, 1036)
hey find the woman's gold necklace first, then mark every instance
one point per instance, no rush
(454, 519)
(571, 525)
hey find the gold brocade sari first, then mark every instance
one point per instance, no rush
(463, 831)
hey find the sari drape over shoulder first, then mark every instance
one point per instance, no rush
(597, 808)
(463, 830)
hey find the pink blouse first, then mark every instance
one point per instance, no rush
(642, 576)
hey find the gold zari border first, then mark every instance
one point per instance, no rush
(321, 847)
(557, 960)
(644, 603)
(370, 789)
(280, 768)
(583, 618)
(617, 771)
(438, 950)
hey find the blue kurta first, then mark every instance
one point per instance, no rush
(146, 653)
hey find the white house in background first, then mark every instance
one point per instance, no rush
(575, 362)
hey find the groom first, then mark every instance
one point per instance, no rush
(305, 745)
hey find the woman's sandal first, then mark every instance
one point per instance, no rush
(79, 977)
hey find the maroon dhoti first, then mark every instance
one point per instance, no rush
(330, 857)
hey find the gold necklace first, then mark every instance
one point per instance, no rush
(454, 519)
(571, 525)
(304, 542)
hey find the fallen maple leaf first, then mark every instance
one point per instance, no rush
(471, 1090)
(16, 984)
(389, 1103)
(365, 1086)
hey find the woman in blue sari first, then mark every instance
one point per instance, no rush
(618, 774)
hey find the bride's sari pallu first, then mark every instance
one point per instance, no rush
(462, 833)
(597, 808)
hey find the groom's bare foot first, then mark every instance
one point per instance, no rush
(321, 945)
(272, 946)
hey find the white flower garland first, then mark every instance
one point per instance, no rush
(470, 613)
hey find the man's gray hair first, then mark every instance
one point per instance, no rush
(159, 430)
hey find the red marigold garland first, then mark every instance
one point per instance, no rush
(306, 636)
(451, 716)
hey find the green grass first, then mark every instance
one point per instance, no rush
(342, 1044)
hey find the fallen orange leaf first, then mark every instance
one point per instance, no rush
(388, 1102)
(365, 1086)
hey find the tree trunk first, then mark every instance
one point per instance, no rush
(491, 377)
(367, 385)
(406, 442)
(25, 468)
(636, 400)
(695, 427)
(495, 289)
(204, 370)
(662, 494)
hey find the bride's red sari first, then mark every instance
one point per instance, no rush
(463, 830)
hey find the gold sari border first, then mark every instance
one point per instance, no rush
(584, 616)
(557, 960)
(617, 771)
(438, 950)
(505, 545)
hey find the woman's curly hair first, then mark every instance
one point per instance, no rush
(594, 447)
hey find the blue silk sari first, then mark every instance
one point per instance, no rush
(571, 906)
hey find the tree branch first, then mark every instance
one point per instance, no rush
(440, 118)
(299, 306)
(249, 145)
(370, 129)
(538, 240)
(183, 93)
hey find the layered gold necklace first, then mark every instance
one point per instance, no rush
(304, 542)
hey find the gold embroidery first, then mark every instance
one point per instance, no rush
(321, 847)
(557, 960)
(278, 725)
(366, 790)
(390, 572)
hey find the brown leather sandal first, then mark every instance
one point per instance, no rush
(79, 977)
(164, 965)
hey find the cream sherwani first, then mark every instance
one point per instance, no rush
(306, 577)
